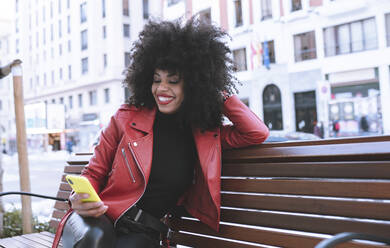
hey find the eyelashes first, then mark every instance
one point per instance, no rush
(170, 82)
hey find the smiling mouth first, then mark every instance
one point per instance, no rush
(164, 100)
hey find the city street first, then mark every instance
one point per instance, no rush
(45, 175)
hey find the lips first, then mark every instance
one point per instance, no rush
(164, 99)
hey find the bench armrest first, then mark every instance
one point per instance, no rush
(348, 236)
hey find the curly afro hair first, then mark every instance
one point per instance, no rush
(197, 53)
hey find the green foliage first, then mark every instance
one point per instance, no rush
(12, 224)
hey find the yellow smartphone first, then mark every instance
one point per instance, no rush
(81, 185)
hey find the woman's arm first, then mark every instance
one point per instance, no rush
(247, 128)
(100, 164)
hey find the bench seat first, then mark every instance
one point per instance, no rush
(292, 194)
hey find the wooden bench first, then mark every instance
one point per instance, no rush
(292, 194)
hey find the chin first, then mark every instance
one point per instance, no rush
(167, 110)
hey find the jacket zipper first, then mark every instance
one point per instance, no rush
(128, 165)
(139, 167)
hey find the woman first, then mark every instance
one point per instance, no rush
(163, 149)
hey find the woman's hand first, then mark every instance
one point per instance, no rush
(87, 209)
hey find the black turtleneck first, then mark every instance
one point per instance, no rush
(174, 156)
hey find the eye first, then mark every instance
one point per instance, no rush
(156, 81)
(174, 82)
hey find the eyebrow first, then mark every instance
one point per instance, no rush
(169, 74)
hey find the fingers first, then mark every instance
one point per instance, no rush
(93, 212)
(92, 209)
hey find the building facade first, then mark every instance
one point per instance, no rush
(74, 57)
(7, 117)
(304, 62)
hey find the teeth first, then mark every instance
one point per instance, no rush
(164, 99)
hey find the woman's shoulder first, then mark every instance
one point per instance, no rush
(130, 110)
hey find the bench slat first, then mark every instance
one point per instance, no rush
(63, 194)
(14, 243)
(65, 187)
(261, 236)
(74, 169)
(316, 224)
(366, 151)
(38, 238)
(79, 159)
(362, 169)
(60, 205)
(335, 188)
(199, 241)
(338, 207)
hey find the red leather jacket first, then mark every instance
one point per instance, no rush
(121, 165)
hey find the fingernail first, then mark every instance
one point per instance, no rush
(85, 195)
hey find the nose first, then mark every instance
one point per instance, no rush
(163, 85)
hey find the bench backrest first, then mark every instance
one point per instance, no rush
(294, 194)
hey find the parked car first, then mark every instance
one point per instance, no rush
(277, 136)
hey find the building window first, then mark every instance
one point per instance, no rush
(83, 12)
(44, 79)
(350, 37)
(37, 80)
(270, 48)
(51, 32)
(146, 9)
(127, 59)
(17, 45)
(205, 16)
(69, 72)
(16, 6)
(53, 101)
(59, 6)
(70, 102)
(305, 46)
(103, 8)
(80, 97)
(1, 105)
(60, 49)
(238, 12)
(44, 36)
(61, 100)
(43, 13)
(68, 18)
(84, 65)
(84, 40)
(125, 7)
(107, 95)
(104, 60)
(173, 2)
(17, 26)
(37, 39)
(59, 28)
(60, 73)
(104, 32)
(92, 98)
(126, 30)
(388, 28)
(69, 46)
(239, 59)
(266, 9)
(52, 77)
(68, 4)
(296, 5)
(51, 9)
(272, 107)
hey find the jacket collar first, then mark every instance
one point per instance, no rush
(143, 120)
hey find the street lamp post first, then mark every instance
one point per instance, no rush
(21, 137)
